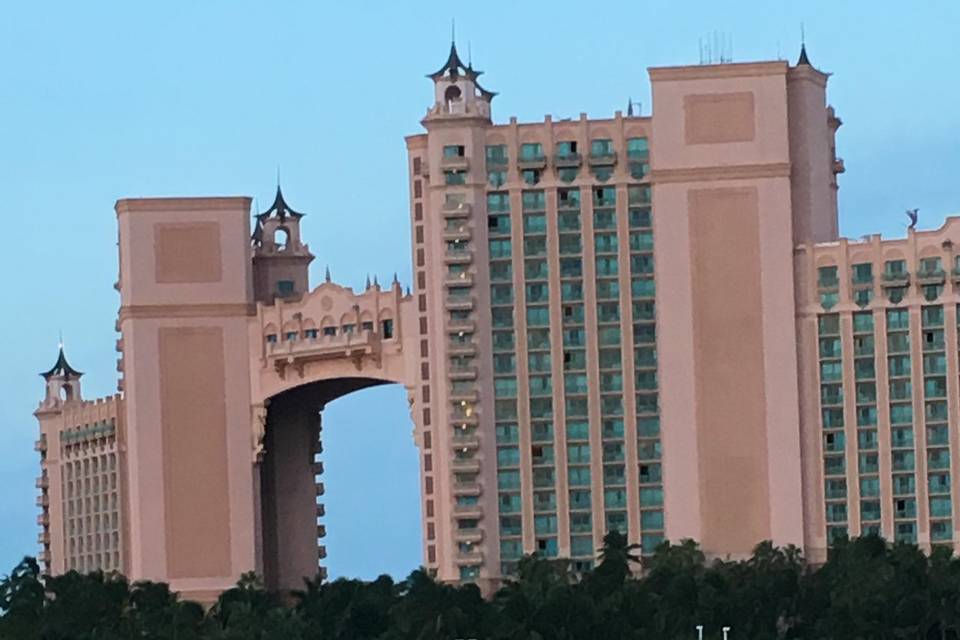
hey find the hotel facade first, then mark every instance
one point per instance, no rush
(646, 323)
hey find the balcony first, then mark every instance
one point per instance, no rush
(321, 510)
(43, 500)
(458, 419)
(896, 278)
(321, 489)
(466, 488)
(463, 395)
(468, 510)
(354, 344)
(603, 159)
(317, 468)
(43, 519)
(458, 233)
(463, 280)
(119, 345)
(43, 538)
(459, 256)
(466, 442)
(466, 465)
(321, 531)
(469, 558)
(462, 325)
(462, 373)
(42, 482)
(321, 552)
(462, 349)
(931, 276)
(532, 162)
(564, 160)
(40, 444)
(456, 210)
(473, 534)
(455, 163)
(459, 303)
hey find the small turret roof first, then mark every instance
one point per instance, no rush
(280, 208)
(61, 368)
(455, 66)
(803, 56)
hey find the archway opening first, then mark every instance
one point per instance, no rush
(280, 238)
(352, 445)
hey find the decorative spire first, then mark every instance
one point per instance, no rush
(396, 280)
(629, 107)
(368, 281)
(326, 275)
(803, 48)
(375, 283)
(61, 368)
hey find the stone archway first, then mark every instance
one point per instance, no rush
(289, 484)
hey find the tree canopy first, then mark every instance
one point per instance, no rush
(867, 589)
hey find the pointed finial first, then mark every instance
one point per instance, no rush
(804, 59)
(396, 280)
(278, 175)
(368, 281)
(453, 30)
(326, 275)
(629, 107)
(408, 289)
(375, 282)
(60, 340)
(469, 56)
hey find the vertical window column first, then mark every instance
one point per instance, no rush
(902, 453)
(865, 379)
(936, 426)
(832, 420)
(644, 341)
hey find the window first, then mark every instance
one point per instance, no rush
(863, 273)
(637, 148)
(454, 177)
(534, 201)
(531, 151)
(454, 151)
(285, 287)
(496, 154)
(601, 148)
(567, 149)
(498, 202)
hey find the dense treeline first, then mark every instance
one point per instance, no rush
(867, 590)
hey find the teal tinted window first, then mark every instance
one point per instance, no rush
(531, 151)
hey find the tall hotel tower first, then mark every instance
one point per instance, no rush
(610, 307)
(646, 324)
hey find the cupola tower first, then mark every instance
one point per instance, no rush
(280, 259)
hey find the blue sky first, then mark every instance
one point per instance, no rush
(102, 100)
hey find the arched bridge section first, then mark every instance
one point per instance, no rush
(307, 352)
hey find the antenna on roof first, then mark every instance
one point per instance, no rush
(453, 29)
(469, 55)
(60, 339)
(278, 175)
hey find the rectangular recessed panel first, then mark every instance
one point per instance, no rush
(714, 118)
(194, 436)
(729, 368)
(187, 252)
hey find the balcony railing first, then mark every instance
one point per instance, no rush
(605, 158)
(567, 160)
(456, 209)
(538, 161)
(324, 345)
(896, 278)
(931, 276)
